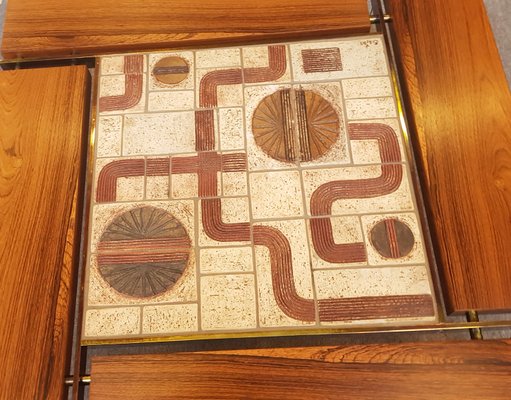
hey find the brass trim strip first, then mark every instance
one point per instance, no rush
(447, 326)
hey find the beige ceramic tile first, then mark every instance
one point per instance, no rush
(112, 322)
(345, 230)
(174, 318)
(399, 200)
(349, 283)
(171, 100)
(276, 194)
(234, 183)
(216, 58)
(367, 151)
(228, 302)
(227, 95)
(416, 254)
(235, 209)
(157, 188)
(359, 57)
(378, 107)
(186, 84)
(128, 189)
(109, 136)
(206, 241)
(230, 125)
(226, 260)
(380, 86)
(114, 65)
(162, 133)
(270, 314)
(114, 85)
(257, 57)
(184, 186)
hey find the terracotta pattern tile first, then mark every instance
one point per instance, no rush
(255, 188)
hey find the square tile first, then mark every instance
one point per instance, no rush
(256, 189)
(228, 302)
(170, 319)
(276, 194)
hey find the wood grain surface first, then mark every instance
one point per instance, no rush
(35, 28)
(461, 116)
(42, 127)
(451, 370)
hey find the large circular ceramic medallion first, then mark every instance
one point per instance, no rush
(143, 252)
(295, 125)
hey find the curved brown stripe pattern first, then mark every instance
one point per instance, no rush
(208, 86)
(133, 70)
(324, 196)
(290, 302)
(276, 67)
(106, 190)
(216, 229)
(209, 82)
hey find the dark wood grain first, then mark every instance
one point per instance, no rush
(461, 117)
(35, 28)
(451, 370)
(42, 126)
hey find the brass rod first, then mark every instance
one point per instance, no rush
(475, 333)
(376, 20)
(86, 380)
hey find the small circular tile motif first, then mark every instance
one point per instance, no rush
(295, 125)
(171, 70)
(392, 238)
(143, 252)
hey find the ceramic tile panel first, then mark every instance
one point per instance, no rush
(252, 189)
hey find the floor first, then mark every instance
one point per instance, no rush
(255, 189)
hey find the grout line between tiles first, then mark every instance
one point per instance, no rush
(249, 194)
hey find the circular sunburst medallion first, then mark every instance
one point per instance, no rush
(171, 70)
(295, 125)
(143, 252)
(392, 238)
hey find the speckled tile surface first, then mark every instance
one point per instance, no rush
(254, 189)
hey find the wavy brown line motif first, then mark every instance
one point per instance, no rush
(216, 229)
(205, 164)
(133, 82)
(284, 290)
(208, 93)
(106, 189)
(324, 196)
